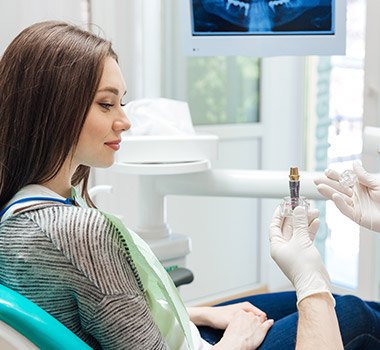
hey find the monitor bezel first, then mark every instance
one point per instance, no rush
(257, 45)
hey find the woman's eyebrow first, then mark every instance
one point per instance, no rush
(111, 89)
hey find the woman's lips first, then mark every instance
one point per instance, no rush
(115, 145)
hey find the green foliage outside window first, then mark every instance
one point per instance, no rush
(223, 90)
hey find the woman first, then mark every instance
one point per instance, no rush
(60, 94)
(61, 113)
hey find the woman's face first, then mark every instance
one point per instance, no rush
(101, 134)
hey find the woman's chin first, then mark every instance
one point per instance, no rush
(102, 164)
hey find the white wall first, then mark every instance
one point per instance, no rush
(15, 15)
(133, 27)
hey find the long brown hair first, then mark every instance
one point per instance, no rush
(48, 78)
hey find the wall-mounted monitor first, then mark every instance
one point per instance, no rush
(263, 27)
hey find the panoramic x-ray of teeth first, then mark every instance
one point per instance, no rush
(263, 16)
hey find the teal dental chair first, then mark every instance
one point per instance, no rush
(25, 326)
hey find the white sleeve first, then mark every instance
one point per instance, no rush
(199, 343)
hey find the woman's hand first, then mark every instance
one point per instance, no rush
(219, 317)
(246, 331)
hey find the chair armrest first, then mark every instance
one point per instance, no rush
(181, 276)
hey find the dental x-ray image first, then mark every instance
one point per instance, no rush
(262, 17)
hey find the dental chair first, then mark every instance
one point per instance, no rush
(181, 276)
(25, 326)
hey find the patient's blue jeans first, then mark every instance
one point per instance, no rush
(359, 321)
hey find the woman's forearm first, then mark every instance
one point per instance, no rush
(199, 315)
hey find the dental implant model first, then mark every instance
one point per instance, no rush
(294, 200)
(294, 186)
(348, 178)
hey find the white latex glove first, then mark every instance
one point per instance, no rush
(361, 203)
(313, 222)
(297, 256)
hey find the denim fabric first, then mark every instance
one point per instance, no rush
(359, 321)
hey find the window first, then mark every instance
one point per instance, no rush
(219, 90)
(342, 79)
(223, 90)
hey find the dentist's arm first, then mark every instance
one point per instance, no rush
(317, 324)
(361, 203)
(300, 261)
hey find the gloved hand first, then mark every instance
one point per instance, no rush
(297, 256)
(361, 203)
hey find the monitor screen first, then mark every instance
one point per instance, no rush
(264, 27)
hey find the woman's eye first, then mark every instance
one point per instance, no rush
(106, 105)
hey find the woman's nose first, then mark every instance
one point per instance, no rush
(123, 123)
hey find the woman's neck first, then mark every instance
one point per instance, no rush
(62, 190)
(61, 183)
